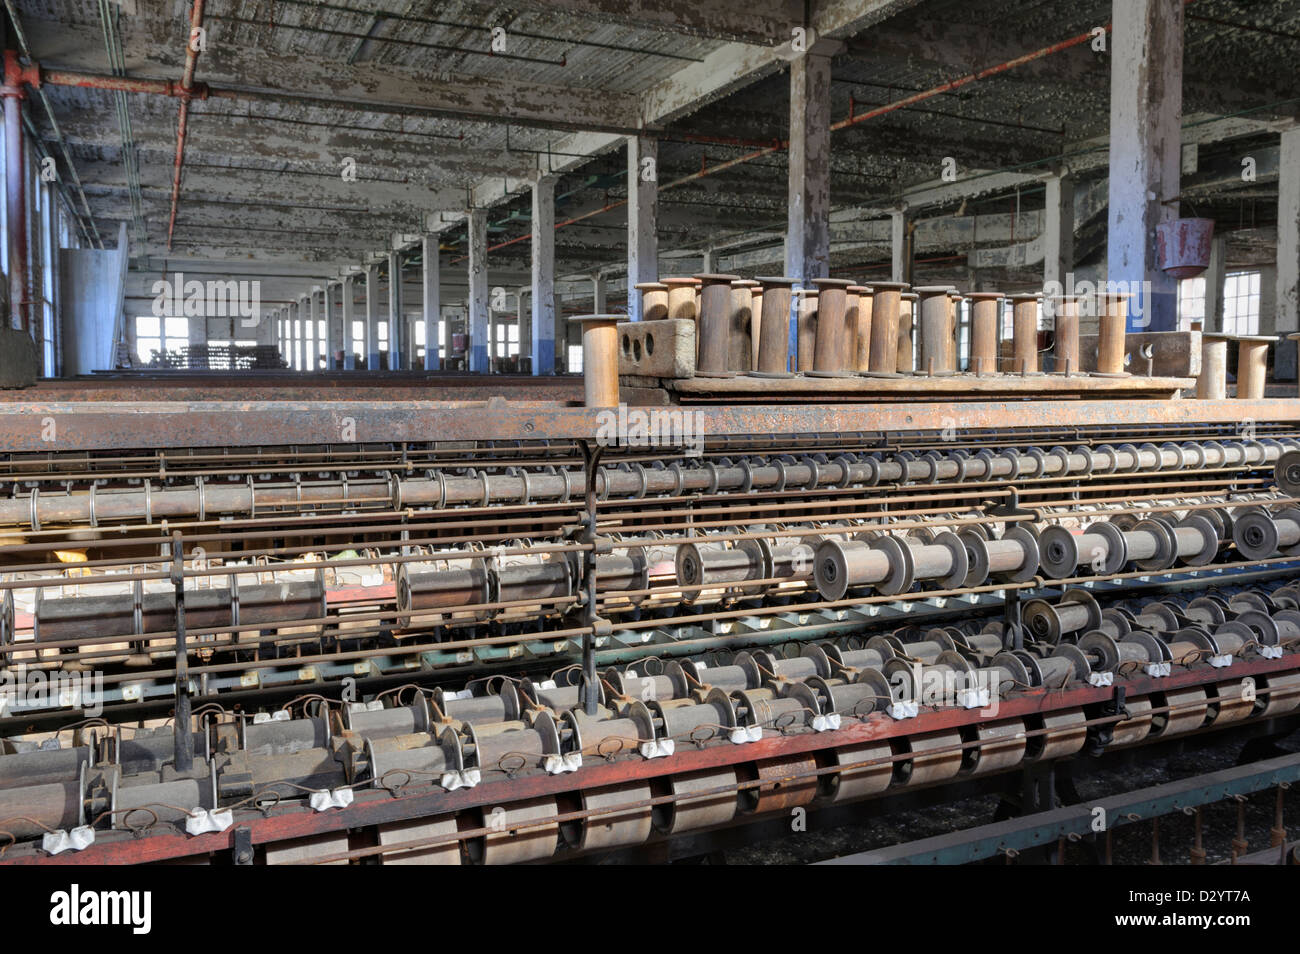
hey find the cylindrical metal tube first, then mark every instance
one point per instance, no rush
(986, 313)
(740, 353)
(1212, 385)
(715, 324)
(774, 333)
(933, 349)
(1066, 313)
(599, 359)
(884, 326)
(954, 328)
(1112, 323)
(906, 327)
(1024, 334)
(860, 328)
(831, 343)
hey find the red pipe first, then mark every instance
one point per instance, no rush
(186, 91)
(15, 191)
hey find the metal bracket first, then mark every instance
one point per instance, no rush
(242, 853)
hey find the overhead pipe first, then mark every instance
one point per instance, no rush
(182, 124)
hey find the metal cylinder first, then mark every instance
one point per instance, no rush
(1066, 313)
(654, 300)
(884, 326)
(906, 326)
(1212, 385)
(1112, 323)
(831, 342)
(599, 359)
(715, 324)
(860, 355)
(774, 330)
(806, 327)
(740, 354)
(955, 298)
(1252, 365)
(1024, 334)
(986, 312)
(933, 348)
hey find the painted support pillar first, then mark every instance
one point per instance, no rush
(477, 303)
(1058, 234)
(1288, 251)
(397, 334)
(372, 317)
(808, 239)
(642, 217)
(543, 276)
(347, 308)
(431, 288)
(1146, 109)
(899, 252)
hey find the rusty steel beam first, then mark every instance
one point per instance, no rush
(64, 426)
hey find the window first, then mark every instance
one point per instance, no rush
(359, 338)
(420, 342)
(575, 359)
(507, 340)
(1241, 303)
(156, 337)
(1191, 302)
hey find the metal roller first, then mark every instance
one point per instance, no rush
(617, 823)
(693, 807)
(1189, 711)
(510, 842)
(1001, 746)
(396, 833)
(1259, 535)
(1137, 726)
(1076, 611)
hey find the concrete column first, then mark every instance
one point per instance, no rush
(707, 260)
(397, 336)
(808, 241)
(1214, 279)
(431, 296)
(477, 302)
(642, 218)
(313, 339)
(599, 293)
(543, 284)
(1287, 305)
(372, 317)
(898, 246)
(1146, 109)
(331, 326)
(1058, 232)
(298, 331)
(347, 311)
